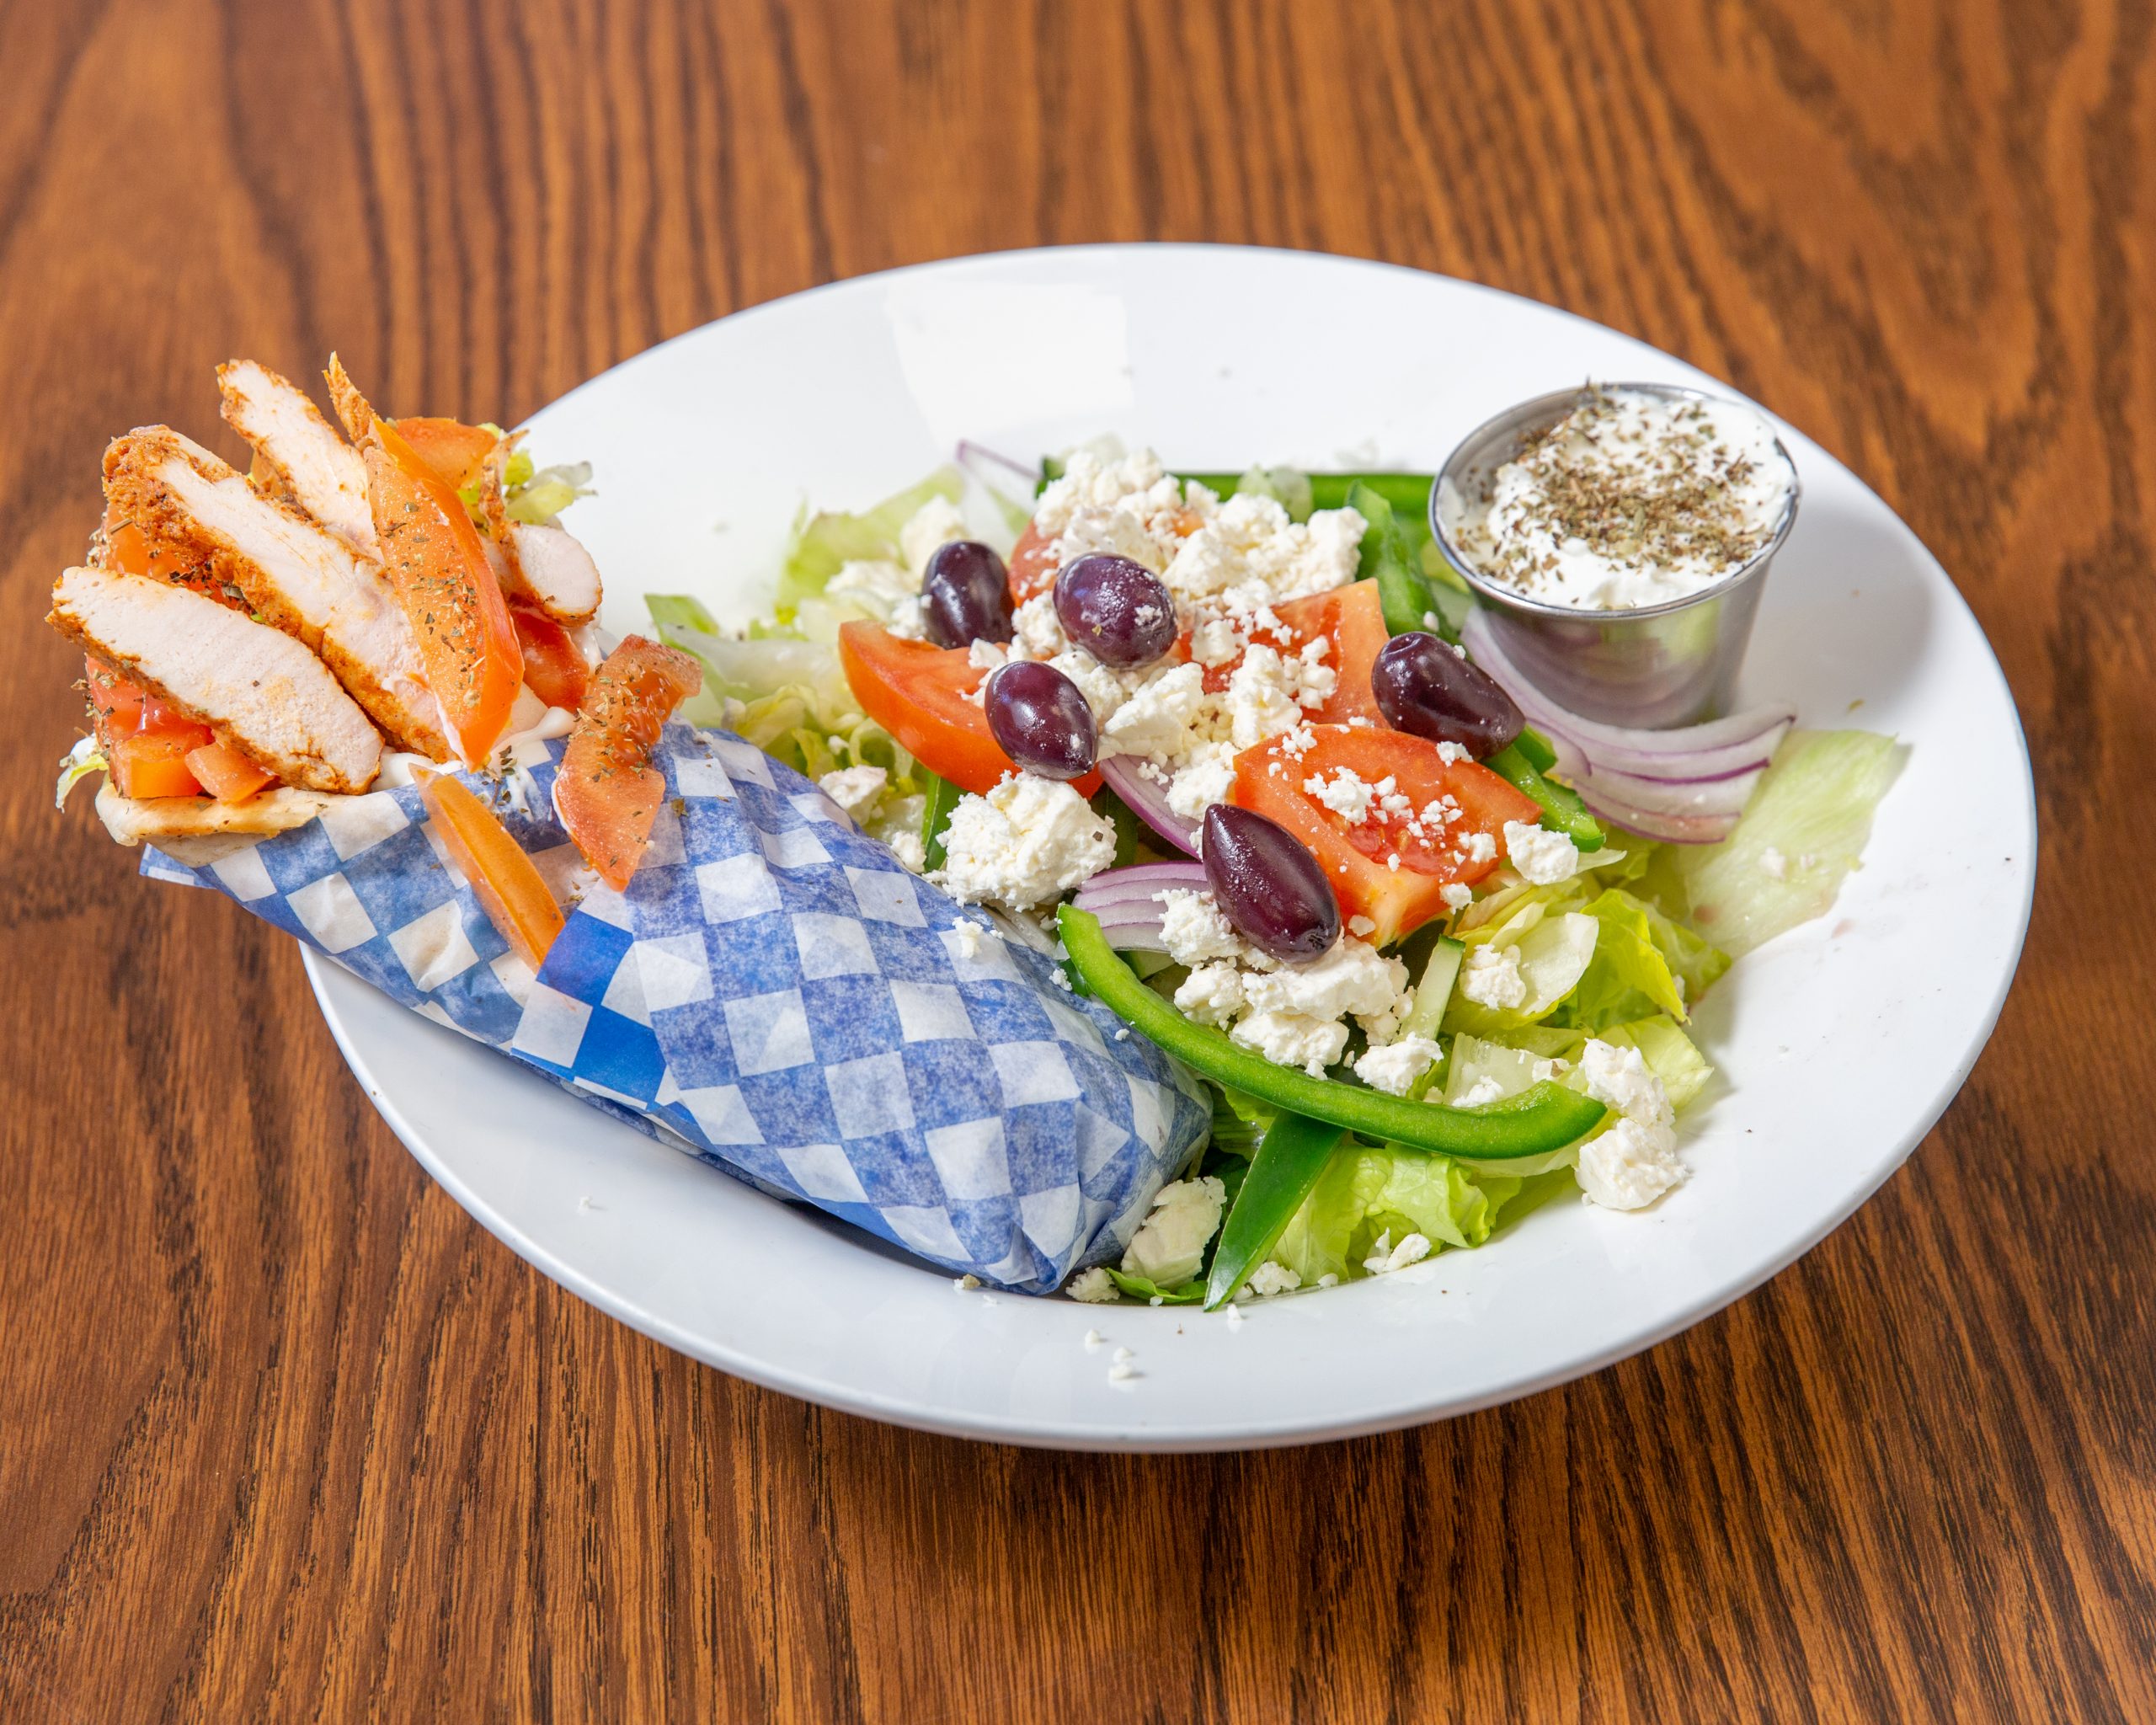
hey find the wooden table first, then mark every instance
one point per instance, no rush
(283, 1434)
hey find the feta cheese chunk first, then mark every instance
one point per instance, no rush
(1540, 856)
(1394, 1066)
(1291, 1039)
(1351, 977)
(1268, 1280)
(1618, 1077)
(854, 788)
(1094, 1287)
(1483, 1091)
(1212, 994)
(1492, 977)
(1248, 550)
(1194, 929)
(1028, 840)
(930, 528)
(884, 589)
(1385, 1257)
(1629, 1165)
(1171, 1244)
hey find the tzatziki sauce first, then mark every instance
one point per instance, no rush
(1632, 500)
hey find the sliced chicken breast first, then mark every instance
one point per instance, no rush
(294, 575)
(300, 451)
(544, 565)
(260, 690)
(190, 826)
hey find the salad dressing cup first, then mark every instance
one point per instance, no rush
(1654, 667)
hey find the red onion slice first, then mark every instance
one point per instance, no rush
(1148, 800)
(1674, 829)
(1692, 752)
(1141, 883)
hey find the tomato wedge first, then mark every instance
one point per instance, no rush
(1031, 568)
(553, 669)
(509, 888)
(607, 792)
(1353, 619)
(226, 774)
(922, 695)
(1359, 857)
(448, 450)
(152, 762)
(438, 567)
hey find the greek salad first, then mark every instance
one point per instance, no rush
(1239, 750)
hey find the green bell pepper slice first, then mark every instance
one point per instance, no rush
(1402, 593)
(1294, 1152)
(1544, 1117)
(1562, 811)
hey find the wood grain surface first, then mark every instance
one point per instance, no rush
(285, 1435)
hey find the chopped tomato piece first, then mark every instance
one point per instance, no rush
(154, 763)
(448, 450)
(509, 887)
(607, 792)
(119, 703)
(1353, 619)
(1416, 835)
(226, 774)
(923, 696)
(553, 669)
(1031, 568)
(445, 587)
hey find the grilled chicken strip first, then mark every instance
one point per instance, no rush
(306, 459)
(296, 577)
(260, 690)
(542, 565)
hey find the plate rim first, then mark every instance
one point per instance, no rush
(325, 977)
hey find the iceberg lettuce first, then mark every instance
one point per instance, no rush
(1644, 961)
(825, 542)
(1366, 1192)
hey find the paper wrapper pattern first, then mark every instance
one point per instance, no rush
(777, 994)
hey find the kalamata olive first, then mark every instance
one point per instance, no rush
(1040, 719)
(965, 596)
(1118, 611)
(1268, 885)
(1425, 688)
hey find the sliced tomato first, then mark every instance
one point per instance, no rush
(1031, 568)
(1392, 868)
(509, 887)
(449, 450)
(437, 564)
(1353, 619)
(922, 695)
(226, 774)
(607, 791)
(152, 762)
(119, 703)
(553, 669)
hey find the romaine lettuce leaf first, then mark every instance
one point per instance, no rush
(1556, 944)
(824, 542)
(1644, 962)
(1801, 836)
(1366, 1192)
(1669, 1054)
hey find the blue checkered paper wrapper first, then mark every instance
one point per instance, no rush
(777, 994)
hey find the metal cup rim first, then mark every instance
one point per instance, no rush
(1526, 413)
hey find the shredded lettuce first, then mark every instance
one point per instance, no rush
(824, 542)
(1802, 834)
(79, 762)
(1366, 1192)
(1644, 961)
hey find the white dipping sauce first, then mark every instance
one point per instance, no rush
(1629, 500)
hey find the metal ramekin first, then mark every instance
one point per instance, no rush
(1655, 667)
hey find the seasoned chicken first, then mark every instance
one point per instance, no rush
(260, 690)
(294, 575)
(553, 568)
(176, 824)
(300, 451)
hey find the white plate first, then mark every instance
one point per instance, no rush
(1840, 1044)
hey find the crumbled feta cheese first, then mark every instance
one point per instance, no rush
(1394, 1066)
(987, 655)
(1542, 1072)
(1485, 1089)
(1480, 847)
(1203, 781)
(1212, 994)
(1629, 1165)
(1156, 719)
(1620, 1078)
(1170, 1244)
(1195, 929)
(1346, 794)
(854, 788)
(1353, 976)
(1268, 1280)
(1773, 864)
(1385, 1257)
(1095, 1288)
(884, 587)
(1104, 689)
(1028, 840)
(1131, 507)
(1492, 977)
(1123, 1355)
(1361, 927)
(1038, 630)
(1457, 895)
(1235, 1317)
(969, 934)
(1451, 754)
(1249, 549)
(930, 528)
(1540, 856)
(908, 848)
(1121, 1372)
(1291, 1039)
